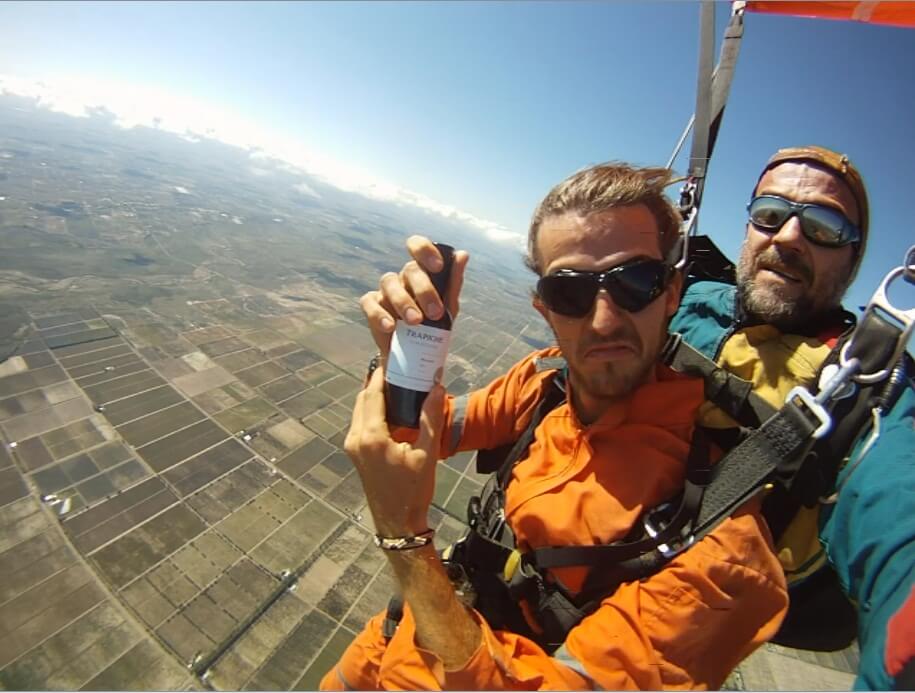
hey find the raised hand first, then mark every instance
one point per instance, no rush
(398, 478)
(409, 295)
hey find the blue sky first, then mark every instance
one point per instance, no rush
(484, 106)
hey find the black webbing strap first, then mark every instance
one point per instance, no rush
(608, 555)
(555, 394)
(874, 342)
(486, 544)
(776, 448)
(494, 459)
(701, 145)
(712, 89)
(724, 73)
(671, 530)
(485, 553)
(731, 394)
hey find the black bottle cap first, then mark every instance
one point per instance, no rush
(441, 278)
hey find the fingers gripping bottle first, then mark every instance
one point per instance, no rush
(417, 358)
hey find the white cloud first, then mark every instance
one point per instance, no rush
(132, 105)
(306, 189)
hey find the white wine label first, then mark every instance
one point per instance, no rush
(417, 356)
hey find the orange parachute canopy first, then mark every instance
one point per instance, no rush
(892, 13)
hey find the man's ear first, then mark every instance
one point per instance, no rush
(672, 294)
(539, 307)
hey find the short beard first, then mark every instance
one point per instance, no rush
(787, 313)
(617, 381)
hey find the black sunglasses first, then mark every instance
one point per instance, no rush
(632, 286)
(820, 224)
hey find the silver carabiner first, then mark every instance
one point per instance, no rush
(688, 225)
(880, 302)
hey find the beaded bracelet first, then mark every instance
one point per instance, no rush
(404, 543)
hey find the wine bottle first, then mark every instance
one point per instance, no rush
(417, 358)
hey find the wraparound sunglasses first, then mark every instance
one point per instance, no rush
(820, 224)
(632, 286)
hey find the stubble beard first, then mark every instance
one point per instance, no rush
(615, 380)
(782, 309)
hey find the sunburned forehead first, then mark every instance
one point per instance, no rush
(598, 240)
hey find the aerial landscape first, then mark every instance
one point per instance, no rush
(182, 346)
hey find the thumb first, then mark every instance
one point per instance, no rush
(431, 421)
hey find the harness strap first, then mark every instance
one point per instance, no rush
(701, 146)
(724, 72)
(777, 447)
(731, 394)
(555, 395)
(874, 342)
(609, 556)
(662, 543)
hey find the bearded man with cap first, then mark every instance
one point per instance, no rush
(852, 555)
(805, 238)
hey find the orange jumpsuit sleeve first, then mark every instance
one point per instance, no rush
(685, 627)
(495, 414)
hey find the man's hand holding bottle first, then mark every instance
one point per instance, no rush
(409, 295)
(399, 477)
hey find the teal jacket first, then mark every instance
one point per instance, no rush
(869, 533)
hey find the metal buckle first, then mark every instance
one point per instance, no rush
(474, 509)
(814, 407)
(879, 302)
(687, 229)
(666, 550)
(495, 525)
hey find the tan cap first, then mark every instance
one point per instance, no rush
(841, 167)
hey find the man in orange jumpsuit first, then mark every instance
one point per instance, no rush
(615, 448)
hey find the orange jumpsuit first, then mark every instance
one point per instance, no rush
(686, 626)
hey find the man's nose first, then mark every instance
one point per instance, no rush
(606, 314)
(790, 235)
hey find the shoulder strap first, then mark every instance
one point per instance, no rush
(555, 395)
(731, 394)
(504, 457)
